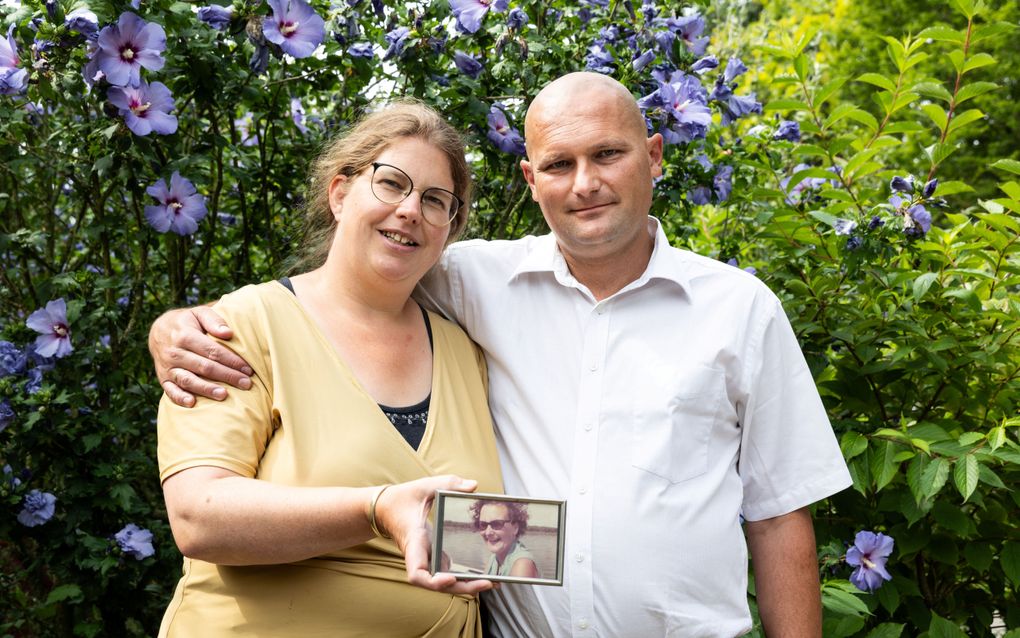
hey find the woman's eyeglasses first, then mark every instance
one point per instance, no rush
(390, 185)
(496, 525)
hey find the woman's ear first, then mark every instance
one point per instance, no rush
(337, 192)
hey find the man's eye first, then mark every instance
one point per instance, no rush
(554, 166)
(609, 152)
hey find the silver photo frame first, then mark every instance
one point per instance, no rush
(496, 537)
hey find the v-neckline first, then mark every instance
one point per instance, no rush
(426, 438)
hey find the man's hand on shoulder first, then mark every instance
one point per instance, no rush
(189, 362)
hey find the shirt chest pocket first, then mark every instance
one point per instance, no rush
(674, 414)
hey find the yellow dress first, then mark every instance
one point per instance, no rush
(308, 422)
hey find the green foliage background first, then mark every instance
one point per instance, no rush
(913, 341)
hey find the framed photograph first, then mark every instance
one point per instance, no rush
(501, 538)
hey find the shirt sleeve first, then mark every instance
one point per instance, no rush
(789, 456)
(230, 434)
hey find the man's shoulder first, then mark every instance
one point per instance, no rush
(700, 270)
(492, 256)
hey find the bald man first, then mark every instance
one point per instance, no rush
(663, 394)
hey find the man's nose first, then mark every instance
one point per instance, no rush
(586, 179)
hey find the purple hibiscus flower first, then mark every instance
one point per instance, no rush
(869, 554)
(12, 359)
(361, 50)
(297, 113)
(467, 64)
(643, 60)
(469, 13)
(84, 22)
(13, 80)
(244, 125)
(54, 338)
(689, 29)
(704, 64)
(700, 196)
(135, 542)
(397, 40)
(145, 108)
(505, 137)
(516, 19)
(295, 27)
(682, 103)
(216, 16)
(180, 206)
(732, 261)
(598, 59)
(902, 184)
(788, 130)
(916, 218)
(6, 414)
(37, 508)
(795, 193)
(723, 183)
(129, 45)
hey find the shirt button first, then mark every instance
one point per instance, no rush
(587, 427)
(594, 367)
(579, 558)
(583, 624)
(583, 490)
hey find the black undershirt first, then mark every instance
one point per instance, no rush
(410, 421)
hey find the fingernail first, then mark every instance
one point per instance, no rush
(224, 327)
(219, 393)
(247, 370)
(244, 383)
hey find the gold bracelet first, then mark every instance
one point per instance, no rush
(371, 511)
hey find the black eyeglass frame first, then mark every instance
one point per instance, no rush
(452, 214)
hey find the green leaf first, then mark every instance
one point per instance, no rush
(942, 34)
(940, 627)
(934, 477)
(965, 295)
(953, 187)
(978, 61)
(973, 90)
(886, 630)
(800, 66)
(878, 80)
(997, 437)
(936, 114)
(991, 30)
(966, 475)
(841, 111)
(978, 555)
(969, 438)
(884, 464)
(965, 118)
(931, 89)
(922, 284)
(1009, 559)
(852, 444)
(827, 91)
(938, 153)
(904, 99)
(843, 602)
(61, 593)
(1011, 165)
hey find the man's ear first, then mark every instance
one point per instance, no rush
(654, 146)
(337, 192)
(529, 176)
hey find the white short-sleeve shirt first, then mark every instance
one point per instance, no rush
(661, 414)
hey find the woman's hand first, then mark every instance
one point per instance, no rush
(188, 361)
(402, 512)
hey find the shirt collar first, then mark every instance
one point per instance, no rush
(664, 263)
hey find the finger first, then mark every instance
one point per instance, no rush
(207, 363)
(190, 383)
(447, 583)
(212, 322)
(177, 395)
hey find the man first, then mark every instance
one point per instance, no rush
(661, 393)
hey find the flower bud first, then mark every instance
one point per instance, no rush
(929, 188)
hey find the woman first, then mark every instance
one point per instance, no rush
(501, 525)
(284, 499)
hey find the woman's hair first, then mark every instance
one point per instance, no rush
(355, 149)
(517, 512)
